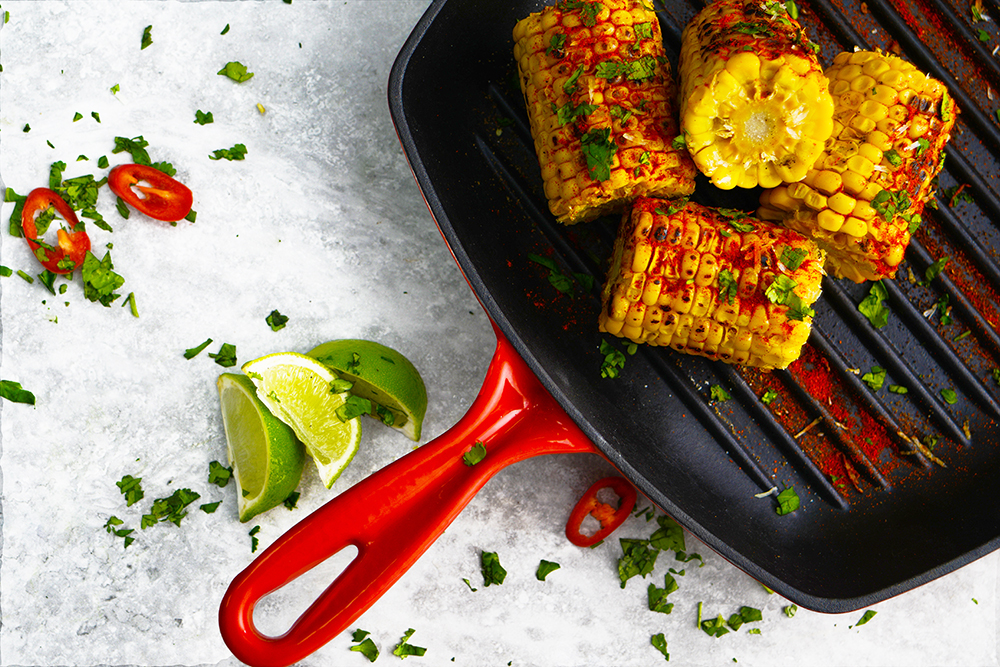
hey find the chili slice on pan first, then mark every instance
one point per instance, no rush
(164, 198)
(609, 517)
(71, 245)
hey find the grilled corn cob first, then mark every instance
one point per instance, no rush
(711, 282)
(600, 100)
(863, 198)
(754, 104)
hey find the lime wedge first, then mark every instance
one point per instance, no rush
(300, 391)
(383, 376)
(267, 458)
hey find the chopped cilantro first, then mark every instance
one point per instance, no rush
(659, 642)
(276, 320)
(788, 502)
(225, 30)
(237, 152)
(556, 44)
(365, 646)
(639, 69)
(792, 258)
(867, 616)
(637, 559)
(493, 572)
(172, 508)
(875, 377)
(219, 474)
(718, 394)
(113, 521)
(643, 30)
(99, 279)
(209, 508)
(570, 84)
(354, 406)
(131, 488)
(872, 307)
(745, 615)
(291, 500)
(114, 89)
(476, 454)
(613, 361)
(404, 649)
(983, 35)
(254, 542)
(203, 118)
(226, 356)
(569, 112)
(130, 302)
(96, 116)
(657, 597)
(193, 352)
(545, 568)
(599, 151)
(236, 71)
(949, 396)
(769, 397)
(898, 389)
(935, 269)
(728, 286)
(588, 10)
(6, 271)
(77, 116)
(123, 209)
(136, 147)
(669, 536)
(679, 143)
(790, 610)
(893, 158)
(715, 627)
(48, 279)
(147, 37)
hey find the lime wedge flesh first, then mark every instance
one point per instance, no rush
(299, 391)
(266, 456)
(382, 375)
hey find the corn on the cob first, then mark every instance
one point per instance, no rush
(711, 282)
(600, 100)
(754, 104)
(863, 198)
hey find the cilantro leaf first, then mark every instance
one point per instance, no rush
(613, 362)
(237, 152)
(545, 568)
(226, 356)
(788, 502)
(718, 394)
(99, 279)
(367, 648)
(556, 44)
(172, 508)
(935, 269)
(792, 258)
(769, 397)
(659, 642)
(131, 489)
(291, 500)
(236, 71)
(404, 649)
(113, 521)
(203, 118)
(728, 286)
(209, 508)
(136, 147)
(193, 352)
(599, 151)
(276, 320)
(875, 377)
(872, 308)
(254, 542)
(657, 597)
(474, 455)
(867, 616)
(147, 37)
(219, 474)
(715, 627)
(669, 536)
(493, 572)
(354, 406)
(637, 559)
(950, 396)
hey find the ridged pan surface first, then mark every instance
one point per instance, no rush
(896, 488)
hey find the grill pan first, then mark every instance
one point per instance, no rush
(897, 489)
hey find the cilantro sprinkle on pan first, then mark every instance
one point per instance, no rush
(404, 649)
(13, 392)
(493, 572)
(236, 71)
(476, 454)
(147, 37)
(545, 568)
(193, 352)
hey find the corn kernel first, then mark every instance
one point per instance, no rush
(863, 210)
(642, 254)
(855, 227)
(862, 83)
(860, 165)
(651, 291)
(815, 201)
(744, 66)
(849, 72)
(827, 181)
(799, 191)
(842, 203)
(829, 220)
(838, 88)
(704, 300)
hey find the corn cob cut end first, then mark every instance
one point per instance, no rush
(712, 283)
(863, 198)
(600, 100)
(755, 109)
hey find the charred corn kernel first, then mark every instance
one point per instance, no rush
(755, 107)
(599, 94)
(727, 286)
(887, 152)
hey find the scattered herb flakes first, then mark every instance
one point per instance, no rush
(365, 646)
(172, 508)
(867, 616)
(790, 610)
(24, 276)
(136, 147)
(872, 307)
(614, 360)
(147, 37)
(236, 71)
(122, 208)
(934, 270)
(669, 536)
(476, 454)
(237, 152)
(131, 488)
(493, 572)
(254, 542)
(193, 352)
(209, 508)
(276, 320)
(637, 559)
(792, 258)
(599, 152)
(114, 89)
(77, 116)
(469, 584)
(130, 302)
(728, 286)
(225, 30)
(657, 597)
(949, 396)
(718, 394)
(219, 474)
(291, 501)
(6, 271)
(745, 615)
(203, 118)
(96, 116)
(659, 642)
(545, 568)
(898, 389)
(769, 397)
(354, 406)
(100, 282)
(404, 649)
(788, 502)
(874, 378)
(110, 526)
(226, 356)
(715, 627)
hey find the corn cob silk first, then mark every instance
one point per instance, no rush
(755, 109)
(711, 282)
(863, 198)
(600, 99)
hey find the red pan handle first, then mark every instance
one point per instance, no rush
(394, 515)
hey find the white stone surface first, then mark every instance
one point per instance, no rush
(323, 222)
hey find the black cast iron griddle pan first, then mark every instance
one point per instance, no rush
(896, 488)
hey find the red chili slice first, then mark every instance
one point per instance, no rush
(71, 246)
(609, 517)
(165, 199)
